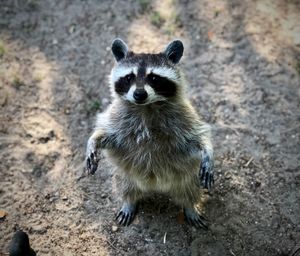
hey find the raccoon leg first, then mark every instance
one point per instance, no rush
(131, 196)
(96, 141)
(187, 195)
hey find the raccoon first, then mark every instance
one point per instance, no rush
(152, 134)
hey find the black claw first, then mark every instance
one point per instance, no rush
(125, 219)
(94, 168)
(122, 219)
(118, 215)
(128, 221)
(206, 179)
(88, 164)
(200, 222)
(195, 219)
(196, 223)
(202, 225)
(202, 173)
(126, 215)
(202, 217)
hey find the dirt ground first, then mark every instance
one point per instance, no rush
(242, 61)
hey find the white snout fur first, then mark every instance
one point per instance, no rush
(152, 96)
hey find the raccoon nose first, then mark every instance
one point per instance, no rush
(140, 95)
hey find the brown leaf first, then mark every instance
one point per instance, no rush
(2, 214)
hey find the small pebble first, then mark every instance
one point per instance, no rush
(67, 111)
(227, 175)
(114, 228)
(103, 195)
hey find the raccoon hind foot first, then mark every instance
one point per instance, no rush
(126, 214)
(193, 218)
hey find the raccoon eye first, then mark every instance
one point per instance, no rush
(152, 78)
(129, 78)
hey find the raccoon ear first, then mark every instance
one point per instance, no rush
(174, 51)
(119, 49)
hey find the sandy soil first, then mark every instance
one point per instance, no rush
(242, 61)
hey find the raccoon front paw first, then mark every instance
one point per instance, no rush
(193, 218)
(206, 171)
(91, 158)
(126, 215)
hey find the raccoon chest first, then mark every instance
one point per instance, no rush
(141, 135)
(145, 153)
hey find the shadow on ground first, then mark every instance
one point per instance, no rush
(243, 70)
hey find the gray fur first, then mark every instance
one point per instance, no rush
(157, 147)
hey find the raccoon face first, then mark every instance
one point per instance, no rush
(146, 78)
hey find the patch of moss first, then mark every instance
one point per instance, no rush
(156, 19)
(17, 81)
(217, 13)
(173, 24)
(93, 106)
(144, 5)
